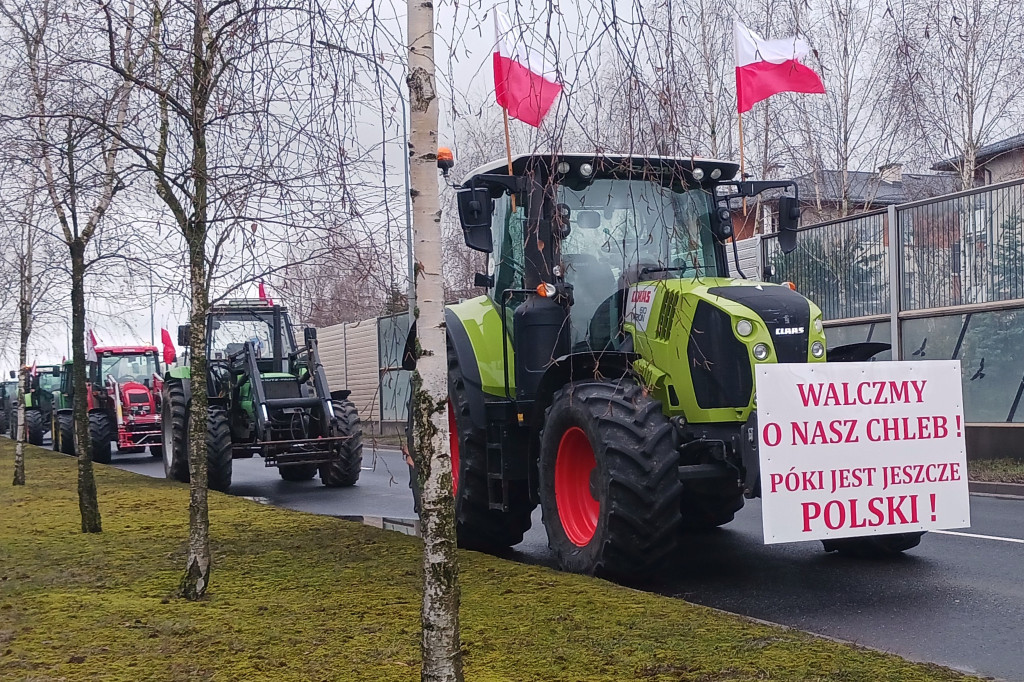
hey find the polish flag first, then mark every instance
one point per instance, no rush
(263, 295)
(768, 67)
(524, 83)
(90, 347)
(169, 353)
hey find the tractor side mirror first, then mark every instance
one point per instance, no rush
(789, 221)
(55, 372)
(721, 223)
(184, 335)
(475, 209)
(309, 335)
(14, 375)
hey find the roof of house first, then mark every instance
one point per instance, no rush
(986, 153)
(868, 188)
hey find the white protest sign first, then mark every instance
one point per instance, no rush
(861, 448)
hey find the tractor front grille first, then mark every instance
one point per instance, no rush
(719, 362)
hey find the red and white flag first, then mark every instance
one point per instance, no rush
(524, 83)
(169, 353)
(90, 347)
(768, 67)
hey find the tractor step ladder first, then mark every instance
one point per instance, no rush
(507, 453)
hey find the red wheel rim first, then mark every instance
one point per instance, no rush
(577, 508)
(453, 444)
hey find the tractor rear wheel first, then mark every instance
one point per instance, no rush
(64, 435)
(4, 421)
(218, 449)
(343, 470)
(297, 472)
(174, 421)
(609, 480)
(54, 432)
(101, 432)
(34, 426)
(477, 525)
(876, 546)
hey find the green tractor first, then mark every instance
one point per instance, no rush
(39, 402)
(608, 373)
(268, 397)
(62, 427)
(8, 405)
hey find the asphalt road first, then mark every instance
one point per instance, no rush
(954, 600)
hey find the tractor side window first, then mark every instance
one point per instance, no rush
(507, 228)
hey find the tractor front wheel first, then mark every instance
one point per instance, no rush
(609, 480)
(297, 472)
(64, 435)
(34, 426)
(343, 470)
(101, 432)
(218, 449)
(875, 546)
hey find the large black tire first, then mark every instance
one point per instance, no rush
(35, 426)
(477, 525)
(101, 432)
(874, 546)
(710, 503)
(4, 422)
(218, 449)
(54, 432)
(174, 424)
(64, 435)
(297, 472)
(609, 480)
(343, 470)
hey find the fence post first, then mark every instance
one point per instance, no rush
(895, 281)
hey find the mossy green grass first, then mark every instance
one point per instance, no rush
(300, 597)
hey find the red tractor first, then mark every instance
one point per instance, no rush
(124, 401)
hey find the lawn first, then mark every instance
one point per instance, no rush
(302, 597)
(996, 470)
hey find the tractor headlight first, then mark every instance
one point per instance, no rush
(744, 328)
(761, 351)
(586, 170)
(562, 167)
(698, 174)
(817, 349)
(817, 325)
(716, 173)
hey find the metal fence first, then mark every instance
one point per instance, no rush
(959, 287)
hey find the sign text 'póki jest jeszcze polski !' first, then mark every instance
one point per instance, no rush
(861, 448)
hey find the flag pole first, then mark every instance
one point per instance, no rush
(508, 152)
(742, 162)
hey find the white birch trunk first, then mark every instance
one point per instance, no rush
(442, 659)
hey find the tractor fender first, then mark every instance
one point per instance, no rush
(463, 348)
(857, 352)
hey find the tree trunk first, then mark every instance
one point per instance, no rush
(25, 320)
(442, 659)
(197, 568)
(88, 503)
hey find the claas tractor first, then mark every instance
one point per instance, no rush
(267, 397)
(123, 400)
(39, 401)
(608, 372)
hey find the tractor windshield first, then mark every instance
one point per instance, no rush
(48, 382)
(628, 231)
(230, 331)
(139, 367)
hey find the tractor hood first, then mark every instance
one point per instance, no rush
(699, 339)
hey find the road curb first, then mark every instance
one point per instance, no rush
(989, 488)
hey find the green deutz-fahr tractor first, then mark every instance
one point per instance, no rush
(62, 426)
(267, 397)
(39, 402)
(608, 373)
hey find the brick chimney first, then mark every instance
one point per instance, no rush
(891, 173)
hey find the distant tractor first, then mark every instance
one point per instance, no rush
(8, 405)
(39, 402)
(123, 402)
(608, 373)
(267, 397)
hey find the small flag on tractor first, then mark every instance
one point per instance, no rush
(170, 355)
(90, 347)
(768, 67)
(263, 295)
(525, 84)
